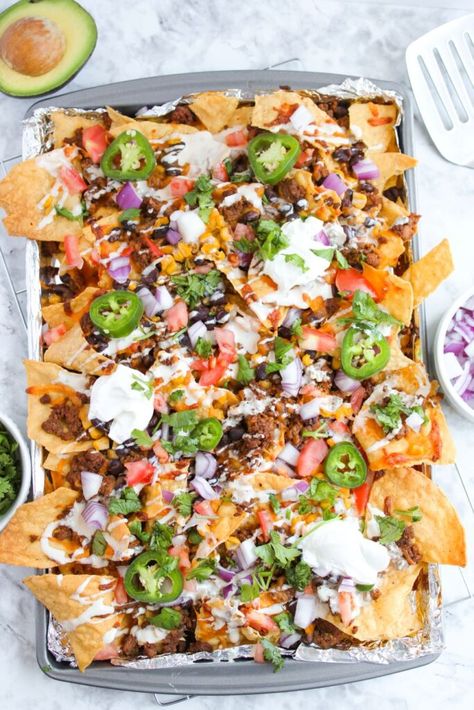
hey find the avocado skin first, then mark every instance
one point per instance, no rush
(68, 15)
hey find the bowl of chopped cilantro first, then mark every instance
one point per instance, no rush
(15, 469)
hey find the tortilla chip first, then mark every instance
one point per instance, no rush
(242, 116)
(270, 481)
(117, 118)
(41, 378)
(152, 130)
(20, 192)
(394, 614)
(439, 535)
(70, 312)
(374, 124)
(74, 352)
(398, 359)
(391, 211)
(432, 444)
(390, 250)
(65, 125)
(57, 592)
(20, 540)
(228, 521)
(214, 109)
(398, 299)
(269, 106)
(427, 273)
(391, 164)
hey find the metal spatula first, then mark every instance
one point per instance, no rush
(441, 70)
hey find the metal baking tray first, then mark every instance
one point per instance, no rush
(241, 676)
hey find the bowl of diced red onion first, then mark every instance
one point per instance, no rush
(454, 355)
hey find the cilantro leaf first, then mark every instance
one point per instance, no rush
(161, 536)
(275, 503)
(285, 622)
(247, 246)
(324, 253)
(183, 502)
(249, 592)
(341, 260)
(321, 432)
(203, 347)
(367, 313)
(322, 490)
(203, 569)
(298, 575)
(271, 239)
(201, 196)
(127, 215)
(129, 502)
(282, 348)
(182, 421)
(176, 396)
(389, 415)
(296, 328)
(414, 514)
(297, 260)
(391, 529)
(142, 438)
(275, 551)
(245, 373)
(167, 619)
(142, 385)
(193, 288)
(135, 527)
(272, 654)
(99, 543)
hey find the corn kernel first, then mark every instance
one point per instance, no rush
(306, 359)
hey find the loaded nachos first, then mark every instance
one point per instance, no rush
(236, 424)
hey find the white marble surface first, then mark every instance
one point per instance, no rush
(148, 37)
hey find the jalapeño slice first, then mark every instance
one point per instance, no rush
(208, 433)
(129, 157)
(146, 581)
(272, 155)
(345, 467)
(116, 313)
(364, 352)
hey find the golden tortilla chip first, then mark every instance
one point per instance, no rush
(48, 378)
(394, 614)
(72, 598)
(152, 130)
(70, 312)
(270, 481)
(269, 108)
(374, 124)
(398, 359)
(391, 211)
(214, 109)
(228, 521)
(242, 116)
(439, 535)
(398, 299)
(20, 192)
(20, 540)
(427, 273)
(391, 164)
(390, 250)
(65, 125)
(74, 352)
(432, 444)
(117, 118)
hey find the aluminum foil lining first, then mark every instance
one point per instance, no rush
(37, 138)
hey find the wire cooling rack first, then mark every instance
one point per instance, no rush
(457, 583)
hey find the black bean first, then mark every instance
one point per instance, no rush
(343, 155)
(217, 298)
(200, 313)
(270, 193)
(236, 433)
(153, 422)
(301, 205)
(250, 216)
(185, 342)
(222, 315)
(284, 332)
(173, 171)
(285, 208)
(48, 274)
(115, 467)
(160, 231)
(224, 441)
(261, 371)
(121, 286)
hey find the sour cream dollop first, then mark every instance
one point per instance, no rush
(122, 398)
(339, 547)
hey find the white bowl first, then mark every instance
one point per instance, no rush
(25, 461)
(454, 399)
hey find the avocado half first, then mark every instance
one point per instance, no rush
(43, 43)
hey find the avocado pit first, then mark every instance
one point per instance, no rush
(32, 46)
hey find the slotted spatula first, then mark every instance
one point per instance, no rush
(441, 70)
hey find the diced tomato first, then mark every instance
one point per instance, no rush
(180, 186)
(106, 653)
(312, 454)
(213, 376)
(219, 172)
(361, 496)
(177, 316)
(346, 602)
(316, 339)
(71, 247)
(351, 280)
(357, 398)
(182, 553)
(160, 453)
(339, 427)
(72, 180)
(159, 403)
(260, 622)
(258, 656)
(304, 157)
(225, 340)
(203, 508)
(120, 594)
(236, 139)
(54, 334)
(94, 141)
(139, 472)
(154, 248)
(265, 523)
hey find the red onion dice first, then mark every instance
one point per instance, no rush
(290, 454)
(164, 298)
(345, 383)
(292, 315)
(334, 182)
(119, 269)
(195, 331)
(291, 377)
(173, 236)
(287, 641)
(95, 514)
(226, 574)
(246, 554)
(205, 465)
(366, 170)
(91, 483)
(204, 489)
(310, 410)
(127, 198)
(152, 307)
(322, 238)
(306, 611)
(167, 496)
